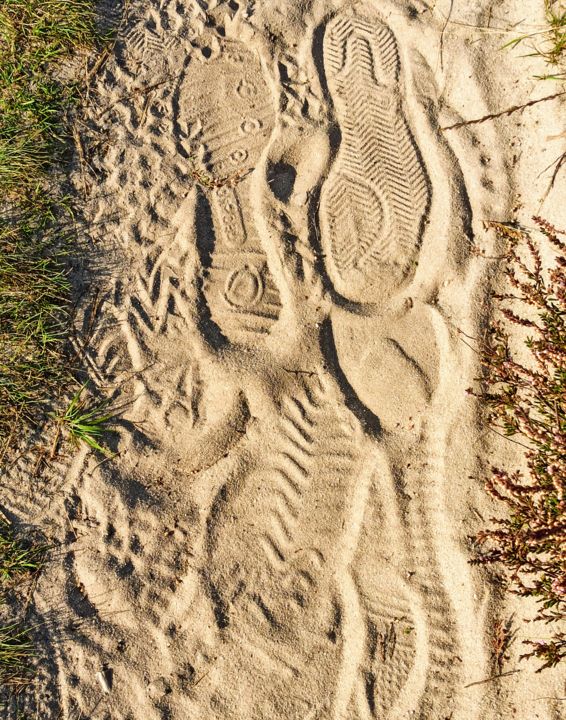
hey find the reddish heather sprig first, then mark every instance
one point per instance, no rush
(528, 399)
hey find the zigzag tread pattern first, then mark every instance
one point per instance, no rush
(443, 643)
(378, 174)
(312, 461)
(298, 460)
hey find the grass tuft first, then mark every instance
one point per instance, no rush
(37, 37)
(555, 43)
(525, 393)
(16, 655)
(85, 422)
(17, 557)
(550, 42)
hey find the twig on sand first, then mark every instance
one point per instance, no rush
(558, 163)
(489, 679)
(202, 677)
(310, 373)
(509, 111)
(442, 33)
(136, 92)
(102, 462)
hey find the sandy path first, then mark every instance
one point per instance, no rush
(284, 533)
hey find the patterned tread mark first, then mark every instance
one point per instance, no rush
(422, 672)
(313, 448)
(443, 642)
(242, 297)
(145, 42)
(378, 190)
(391, 652)
(277, 583)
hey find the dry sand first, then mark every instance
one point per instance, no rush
(285, 532)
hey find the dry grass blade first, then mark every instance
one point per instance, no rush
(503, 113)
(16, 654)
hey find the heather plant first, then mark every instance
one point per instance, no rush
(525, 393)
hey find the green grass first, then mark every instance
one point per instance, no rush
(17, 557)
(34, 292)
(36, 36)
(549, 43)
(86, 422)
(16, 655)
(555, 41)
(38, 39)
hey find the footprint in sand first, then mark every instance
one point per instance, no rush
(278, 576)
(282, 621)
(225, 114)
(375, 201)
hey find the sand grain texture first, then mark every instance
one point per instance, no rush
(290, 248)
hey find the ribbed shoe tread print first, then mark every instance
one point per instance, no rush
(375, 200)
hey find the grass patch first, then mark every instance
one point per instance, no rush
(20, 559)
(34, 35)
(36, 38)
(16, 655)
(85, 422)
(17, 557)
(38, 41)
(550, 42)
(34, 292)
(525, 393)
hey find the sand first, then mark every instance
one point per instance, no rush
(287, 271)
